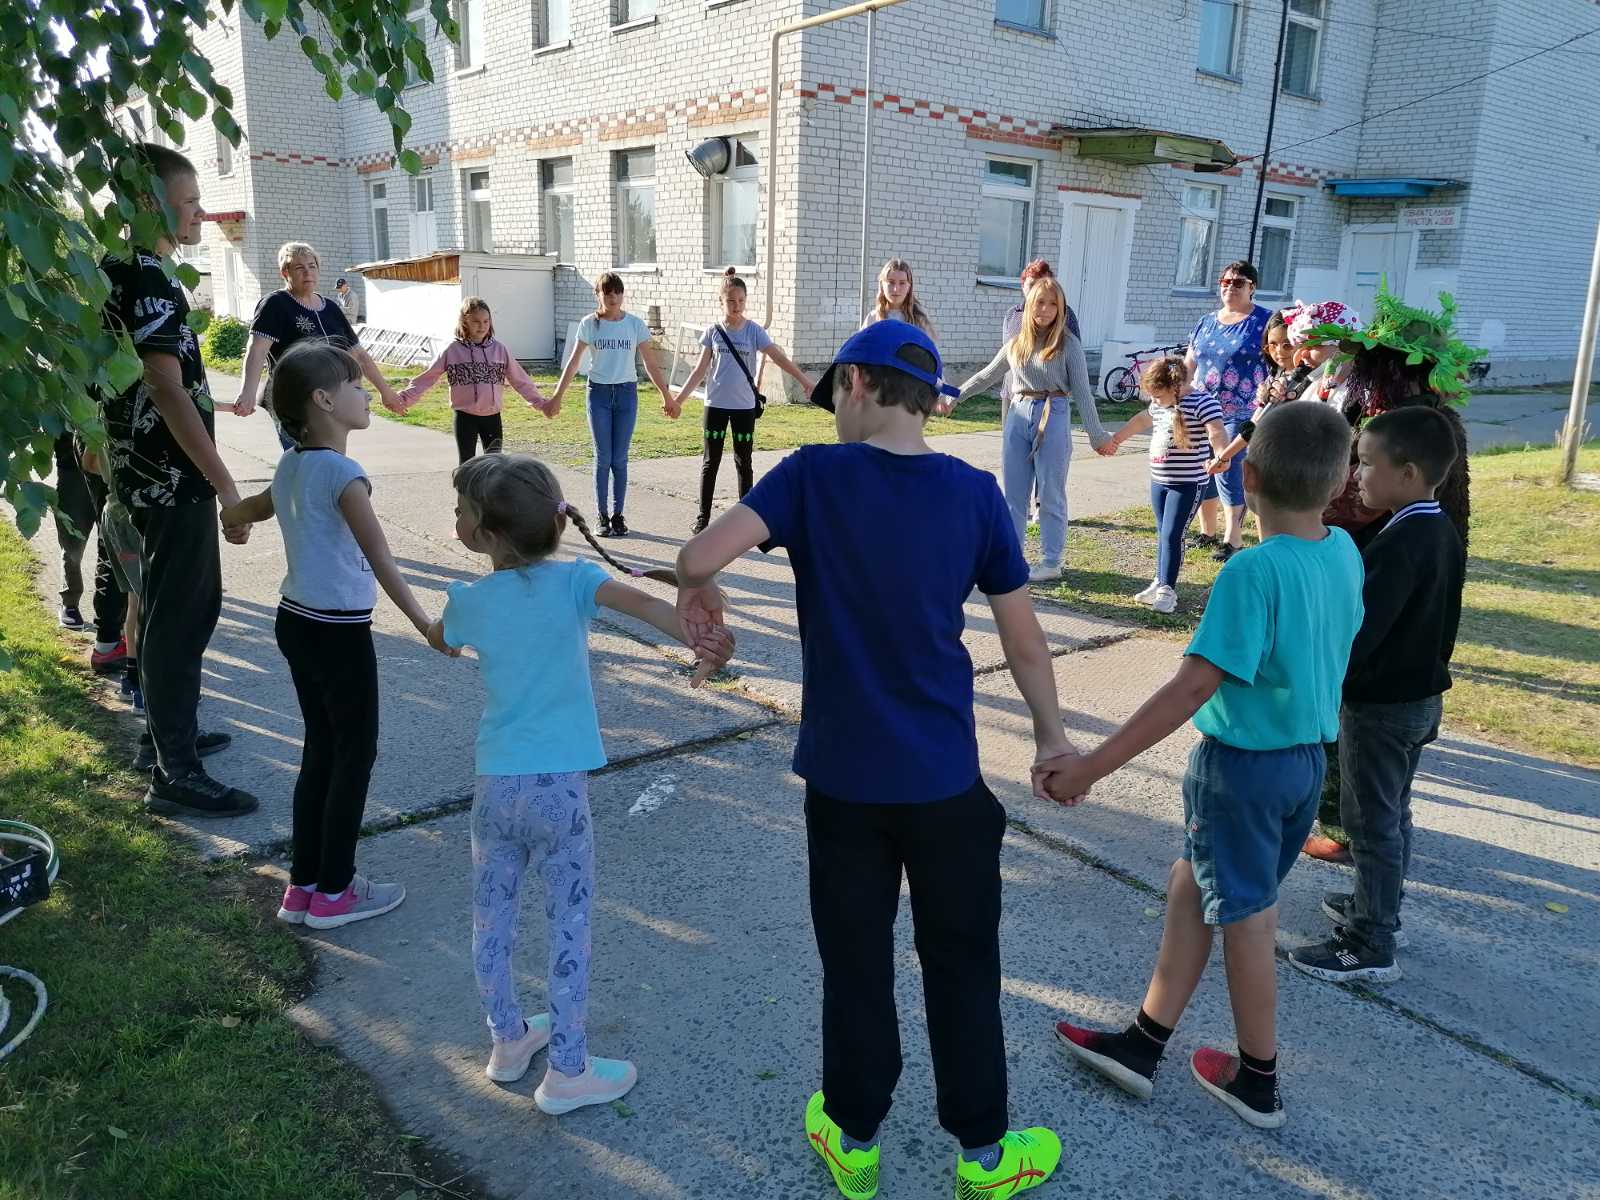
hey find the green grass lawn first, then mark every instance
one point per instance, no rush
(1527, 662)
(164, 1066)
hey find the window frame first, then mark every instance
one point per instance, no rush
(417, 212)
(1290, 223)
(620, 188)
(549, 192)
(1318, 25)
(1237, 40)
(225, 163)
(483, 243)
(469, 53)
(717, 256)
(543, 37)
(1046, 16)
(1204, 284)
(1029, 196)
(416, 17)
(378, 202)
(623, 16)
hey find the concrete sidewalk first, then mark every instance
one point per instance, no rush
(1466, 1079)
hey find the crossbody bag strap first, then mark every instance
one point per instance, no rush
(739, 358)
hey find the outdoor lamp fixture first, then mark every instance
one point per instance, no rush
(711, 157)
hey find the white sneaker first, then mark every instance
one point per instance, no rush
(603, 1080)
(1149, 593)
(1044, 573)
(508, 1061)
(1165, 600)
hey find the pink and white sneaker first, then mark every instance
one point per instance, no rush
(295, 904)
(603, 1080)
(362, 899)
(508, 1061)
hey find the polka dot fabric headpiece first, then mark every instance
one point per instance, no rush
(1301, 318)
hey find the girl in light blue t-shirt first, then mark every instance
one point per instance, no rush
(613, 339)
(537, 741)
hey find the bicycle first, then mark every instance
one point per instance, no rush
(1121, 384)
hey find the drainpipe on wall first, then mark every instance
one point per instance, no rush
(1272, 120)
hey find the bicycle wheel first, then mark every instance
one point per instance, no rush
(1120, 384)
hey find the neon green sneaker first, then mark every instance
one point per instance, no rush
(1028, 1157)
(855, 1171)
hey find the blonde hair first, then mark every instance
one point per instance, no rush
(290, 251)
(1029, 342)
(518, 502)
(472, 304)
(915, 313)
(1169, 374)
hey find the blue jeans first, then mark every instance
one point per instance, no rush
(1021, 466)
(1174, 505)
(613, 409)
(1231, 482)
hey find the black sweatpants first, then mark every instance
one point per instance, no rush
(470, 430)
(719, 423)
(335, 673)
(181, 601)
(80, 497)
(949, 850)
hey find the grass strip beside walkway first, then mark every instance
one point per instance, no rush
(164, 1066)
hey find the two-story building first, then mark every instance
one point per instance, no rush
(1121, 141)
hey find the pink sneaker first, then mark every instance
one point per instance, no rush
(295, 903)
(362, 899)
(508, 1061)
(603, 1080)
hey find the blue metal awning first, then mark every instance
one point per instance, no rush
(1388, 186)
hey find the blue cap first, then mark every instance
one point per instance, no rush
(883, 344)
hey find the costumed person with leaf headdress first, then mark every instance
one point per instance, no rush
(1404, 356)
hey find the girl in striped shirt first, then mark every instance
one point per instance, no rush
(1180, 426)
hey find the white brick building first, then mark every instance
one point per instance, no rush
(561, 128)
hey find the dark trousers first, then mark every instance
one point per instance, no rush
(335, 673)
(720, 423)
(470, 430)
(1174, 505)
(79, 499)
(181, 601)
(950, 852)
(1379, 748)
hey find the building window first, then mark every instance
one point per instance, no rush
(1031, 14)
(1219, 36)
(735, 206)
(417, 18)
(624, 11)
(1303, 47)
(1276, 258)
(475, 187)
(424, 219)
(469, 50)
(636, 207)
(1197, 235)
(555, 181)
(1005, 218)
(552, 22)
(224, 154)
(378, 194)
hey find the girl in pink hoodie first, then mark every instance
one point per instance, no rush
(478, 368)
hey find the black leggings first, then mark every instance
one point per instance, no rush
(335, 673)
(719, 422)
(471, 429)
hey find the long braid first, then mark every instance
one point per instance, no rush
(659, 574)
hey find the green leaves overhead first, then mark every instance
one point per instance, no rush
(65, 206)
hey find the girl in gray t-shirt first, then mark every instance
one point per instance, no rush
(730, 398)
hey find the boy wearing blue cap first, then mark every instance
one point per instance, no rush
(888, 747)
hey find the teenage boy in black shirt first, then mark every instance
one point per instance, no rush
(1393, 689)
(166, 469)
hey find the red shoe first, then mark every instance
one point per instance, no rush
(1326, 849)
(1215, 1071)
(111, 661)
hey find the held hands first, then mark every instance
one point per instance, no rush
(673, 408)
(1109, 447)
(235, 529)
(700, 617)
(1217, 466)
(242, 407)
(945, 406)
(435, 635)
(391, 400)
(1065, 778)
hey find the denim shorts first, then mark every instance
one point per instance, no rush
(1246, 814)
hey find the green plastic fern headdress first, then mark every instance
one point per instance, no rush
(1422, 336)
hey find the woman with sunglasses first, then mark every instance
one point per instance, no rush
(1226, 363)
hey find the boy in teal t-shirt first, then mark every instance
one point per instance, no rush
(1261, 679)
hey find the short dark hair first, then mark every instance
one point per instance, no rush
(897, 389)
(1418, 435)
(165, 162)
(1301, 454)
(1240, 267)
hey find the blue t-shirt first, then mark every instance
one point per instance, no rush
(613, 346)
(1230, 362)
(886, 548)
(1279, 624)
(530, 628)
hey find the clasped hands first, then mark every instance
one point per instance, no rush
(1062, 777)
(701, 609)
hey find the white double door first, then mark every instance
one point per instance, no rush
(1096, 247)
